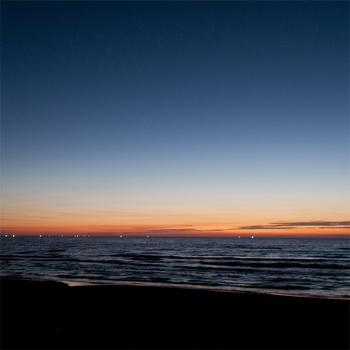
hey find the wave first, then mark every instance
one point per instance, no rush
(281, 287)
(280, 264)
(300, 266)
(199, 262)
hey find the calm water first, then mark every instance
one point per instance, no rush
(317, 267)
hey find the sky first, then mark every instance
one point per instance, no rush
(175, 118)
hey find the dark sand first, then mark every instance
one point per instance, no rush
(37, 314)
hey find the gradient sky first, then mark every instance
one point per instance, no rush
(175, 117)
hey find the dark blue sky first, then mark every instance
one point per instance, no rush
(161, 104)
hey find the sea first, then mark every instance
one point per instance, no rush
(285, 266)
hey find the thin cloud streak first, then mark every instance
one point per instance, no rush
(313, 223)
(292, 225)
(264, 227)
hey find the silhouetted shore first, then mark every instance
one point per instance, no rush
(42, 314)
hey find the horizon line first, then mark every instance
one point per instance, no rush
(127, 235)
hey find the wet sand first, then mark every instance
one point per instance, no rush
(41, 314)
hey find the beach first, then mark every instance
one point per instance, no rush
(46, 314)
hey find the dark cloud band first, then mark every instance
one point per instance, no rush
(291, 225)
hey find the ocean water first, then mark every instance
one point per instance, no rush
(288, 266)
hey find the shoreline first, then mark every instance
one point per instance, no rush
(48, 314)
(222, 289)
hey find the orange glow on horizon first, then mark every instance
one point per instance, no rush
(151, 222)
(71, 228)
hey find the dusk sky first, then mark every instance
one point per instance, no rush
(175, 118)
